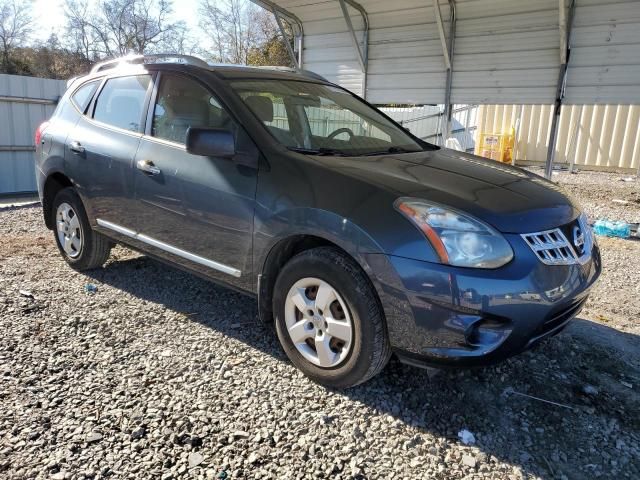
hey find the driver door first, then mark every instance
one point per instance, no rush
(195, 210)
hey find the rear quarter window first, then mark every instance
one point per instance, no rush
(120, 103)
(83, 95)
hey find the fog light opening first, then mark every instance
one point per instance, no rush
(487, 333)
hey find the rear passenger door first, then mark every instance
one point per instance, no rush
(196, 210)
(101, 148)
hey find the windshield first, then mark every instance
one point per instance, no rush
(322, 119)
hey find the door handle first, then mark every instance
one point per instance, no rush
(147, 166)
(76, 147)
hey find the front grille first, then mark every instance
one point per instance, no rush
(564, 245)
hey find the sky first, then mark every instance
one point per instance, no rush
(49, 16)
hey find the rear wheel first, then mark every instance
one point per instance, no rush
(329, 320)
(80, 246)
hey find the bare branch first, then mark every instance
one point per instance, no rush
(235, 28)
(15, 28)
(118, 27)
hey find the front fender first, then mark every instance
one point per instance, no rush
(273, 229)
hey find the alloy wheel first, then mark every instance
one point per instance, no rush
(318, 322)
(69, 230)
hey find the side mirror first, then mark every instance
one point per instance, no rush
(211, 142)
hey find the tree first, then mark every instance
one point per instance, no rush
(79, 34)
(272, 52)
(241, 32)
(51, 60)
(118, 27)
(15, 28)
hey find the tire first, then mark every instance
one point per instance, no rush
(80, 246)
(325, 350)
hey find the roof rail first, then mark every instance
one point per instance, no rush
(189, 60)
(147, 59)
(71, 80)
(307, 73)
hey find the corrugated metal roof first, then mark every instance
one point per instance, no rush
(506, 51)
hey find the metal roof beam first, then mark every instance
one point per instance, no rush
(285, 38)
(291, 19)
(362, 53)
(443, 39)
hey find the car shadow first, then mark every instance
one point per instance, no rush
(538, 411)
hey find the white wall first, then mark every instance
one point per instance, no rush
(595, 136)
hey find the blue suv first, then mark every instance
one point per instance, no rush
(358, 239)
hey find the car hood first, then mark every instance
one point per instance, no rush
(510, 199)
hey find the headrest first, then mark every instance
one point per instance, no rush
(261, 106)
(190, 107)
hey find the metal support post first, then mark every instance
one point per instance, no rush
(447, 50)
(566, 23)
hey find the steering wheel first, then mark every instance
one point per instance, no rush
(337, 132)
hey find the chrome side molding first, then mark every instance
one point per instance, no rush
(170, 248)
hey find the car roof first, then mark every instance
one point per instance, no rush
(226, 71)
(235, 72)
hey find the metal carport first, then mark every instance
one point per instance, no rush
(500, 51)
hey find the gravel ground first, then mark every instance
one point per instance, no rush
(159, 374)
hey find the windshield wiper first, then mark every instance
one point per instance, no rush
(320, 151)
(389, 150)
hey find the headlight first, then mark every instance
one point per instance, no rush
(458, 238)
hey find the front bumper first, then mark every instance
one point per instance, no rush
(450, 316)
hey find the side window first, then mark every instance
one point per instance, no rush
(121, 101)
(182, 103)
(83, 95)
(270, 110)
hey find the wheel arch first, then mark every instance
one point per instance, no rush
(284, 250)
(55, 182)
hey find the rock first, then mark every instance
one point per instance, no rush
(195, 459)
(525, 457)
(590, 390)
(84, 365)
(194, 441)
(469, 461)
(240, 434)
(466, 437)
(326, 419)
(139, 433)
(93, 437)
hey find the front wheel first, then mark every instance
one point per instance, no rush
(81, 247)
(329, 320)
